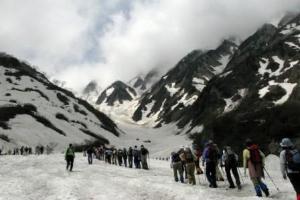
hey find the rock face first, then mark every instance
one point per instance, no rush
(257, 95)
(118, 92)
(166, 101)
(35, 111)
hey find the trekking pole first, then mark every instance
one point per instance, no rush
(271, 179)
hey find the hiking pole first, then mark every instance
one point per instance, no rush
(271, 179)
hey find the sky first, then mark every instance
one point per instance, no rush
(77, 41)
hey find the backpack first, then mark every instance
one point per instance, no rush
(231, 159)
(189, 157)
(255, 156)
(144, 151)
(212, 154)
(176, 158)
(293, 159)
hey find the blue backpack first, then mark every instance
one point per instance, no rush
(293, 159)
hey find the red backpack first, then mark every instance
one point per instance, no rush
(255, 156)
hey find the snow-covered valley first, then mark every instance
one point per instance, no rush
(44, 177)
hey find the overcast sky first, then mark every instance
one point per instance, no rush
(81, 40)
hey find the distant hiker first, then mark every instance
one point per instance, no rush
(136, 157)
(90, 152)
(69, 157)
(144, 156)
(120, 156)
(125, 154)
(230, 160)
(290, 164)
(190, 165)
(253, 158)
(108, 155)
(130, 157)
(197, 153)
(114, 156)
(176, 164)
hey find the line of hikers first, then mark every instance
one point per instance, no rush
(26, 150)
(133, 156)
(186, 161)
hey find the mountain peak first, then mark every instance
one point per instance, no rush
(117, 92)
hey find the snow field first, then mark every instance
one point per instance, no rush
(45, 177)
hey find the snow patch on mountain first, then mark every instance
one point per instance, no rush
(232, 102)
(288, 87)
(172, 89)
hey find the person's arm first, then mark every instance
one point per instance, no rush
(246, 155)
(283, 164)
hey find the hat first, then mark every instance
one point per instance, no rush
(286, 142)
(249, 142)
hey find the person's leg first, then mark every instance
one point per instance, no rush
(208, 174)
(71, 165)
(213, 175)
(256, 187)
(236, 176)
(193, 174)
(295, 181)
(264, 187)
(175, 169)
(228, 174)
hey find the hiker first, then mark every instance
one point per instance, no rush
(210, 156)
(120, 156)
(176, 164)
(190, 165)
(290, 164)
(230, 160)
(253, 158)
(197, 153)
(144, 155)
(90, 152)
(183, 160)
(114, 156)
(125, 157)
(130, 157)
(108, 155)
(69, 157)
(136, 157)
(219, 174)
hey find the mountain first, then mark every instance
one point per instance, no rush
(258, 94)
(181, 86)
(116, 93)
(35, 111)
(142, 83)
(117, 101)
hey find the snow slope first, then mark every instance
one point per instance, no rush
(34, 111)
(45, 177)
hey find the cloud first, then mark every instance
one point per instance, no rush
(78, 41)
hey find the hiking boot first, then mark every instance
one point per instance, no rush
(231, 187)
(239, 187)
(267, 193)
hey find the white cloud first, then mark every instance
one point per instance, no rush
(78, 41)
